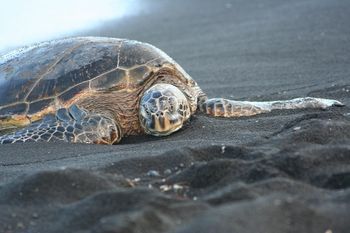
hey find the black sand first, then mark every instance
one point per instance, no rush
(287, 171)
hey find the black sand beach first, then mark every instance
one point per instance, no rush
(286, 171)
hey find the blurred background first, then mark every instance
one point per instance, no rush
(25, 22)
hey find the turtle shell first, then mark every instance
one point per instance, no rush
(35, 78)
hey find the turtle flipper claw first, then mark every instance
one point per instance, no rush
(319, 102)
(336, 103)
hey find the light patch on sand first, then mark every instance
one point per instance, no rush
(24, 22)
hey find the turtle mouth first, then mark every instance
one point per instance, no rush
(162, 124)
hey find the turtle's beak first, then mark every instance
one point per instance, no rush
(163, 110)
(163, 124)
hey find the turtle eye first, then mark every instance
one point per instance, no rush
(163, 110)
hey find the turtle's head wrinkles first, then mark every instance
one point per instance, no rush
(163, 110)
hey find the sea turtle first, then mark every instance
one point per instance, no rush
(98, 90)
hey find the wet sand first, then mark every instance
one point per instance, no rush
(286, 171)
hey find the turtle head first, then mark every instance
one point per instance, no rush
(163, 109)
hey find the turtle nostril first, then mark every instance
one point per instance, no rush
(162, 114)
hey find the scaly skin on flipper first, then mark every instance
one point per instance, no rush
(219, 107)
(72, 125)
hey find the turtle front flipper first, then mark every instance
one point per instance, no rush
(69, 125)
(220, 107)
